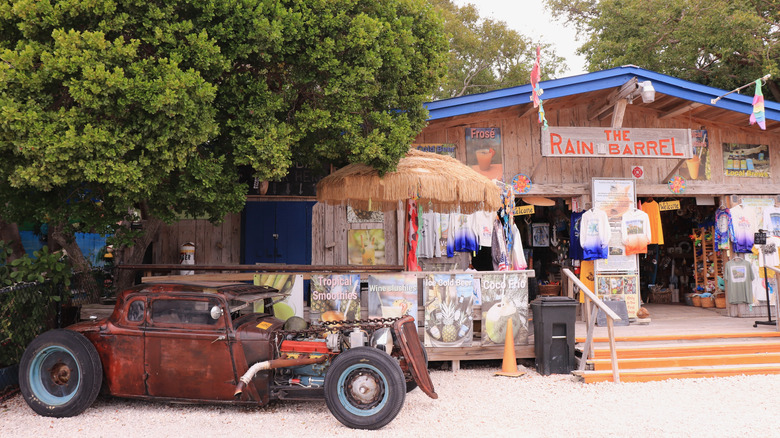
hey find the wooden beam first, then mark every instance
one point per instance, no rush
(536, 168)
(606, 167)
(525, 110)
(618, 113)
(681, 109)
(694, 188)
(621, 93)
(673, 171)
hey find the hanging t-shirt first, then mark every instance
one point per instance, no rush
(483, 224)
(462, 234)
(587, 277)
(739, 281)
(575, 249)
(772, 221)
(635, 231)
(498, 250)
(656, 229)
(444, 234)
(724, 228)
(412, 237)
(518, 257)
(744, 221)
(428, 240)
(594, 234)
(768, 251)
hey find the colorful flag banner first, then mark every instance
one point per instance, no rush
(536, 90)
(758, 115)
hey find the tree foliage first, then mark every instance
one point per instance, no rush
(487, 55)
(106, 105)
(720, 43)
(28, 289)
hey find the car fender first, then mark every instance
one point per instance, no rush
(406, 330)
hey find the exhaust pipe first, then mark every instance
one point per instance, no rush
(273, 364)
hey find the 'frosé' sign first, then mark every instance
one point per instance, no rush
(616, 142)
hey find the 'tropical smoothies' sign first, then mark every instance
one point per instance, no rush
(616, 142)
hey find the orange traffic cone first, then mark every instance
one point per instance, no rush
(509, 366)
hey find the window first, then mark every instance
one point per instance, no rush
(182, 311)
(135, 311)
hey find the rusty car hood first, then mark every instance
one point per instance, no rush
(414, 354)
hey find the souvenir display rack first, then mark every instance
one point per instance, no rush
(707, 263)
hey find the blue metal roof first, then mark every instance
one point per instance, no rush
(595, 81)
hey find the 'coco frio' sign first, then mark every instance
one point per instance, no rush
(616, 142)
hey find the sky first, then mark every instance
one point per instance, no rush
(531, 19)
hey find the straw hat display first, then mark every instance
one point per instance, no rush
(438, 181)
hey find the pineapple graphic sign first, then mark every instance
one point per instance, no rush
(504, 297)
(335, 297)
(449, 310)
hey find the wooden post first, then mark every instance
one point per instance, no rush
(612, 351)
(406, 235)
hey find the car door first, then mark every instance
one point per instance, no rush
(187, 355)
(122, 371)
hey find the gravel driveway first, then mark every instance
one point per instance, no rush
(472, 403)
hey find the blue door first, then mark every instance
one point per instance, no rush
(277, 232)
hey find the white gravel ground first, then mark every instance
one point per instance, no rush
(472, 403)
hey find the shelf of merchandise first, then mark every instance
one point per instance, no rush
(708, 265)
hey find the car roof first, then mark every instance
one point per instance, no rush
(231, 291)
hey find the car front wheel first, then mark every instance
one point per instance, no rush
(365, 388)
(60, 374)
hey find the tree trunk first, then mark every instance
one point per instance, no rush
(134, 255)
(9, 233)
(774, 89)
(83, 280)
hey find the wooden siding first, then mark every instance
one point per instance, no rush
(521, 138)
(214, 244)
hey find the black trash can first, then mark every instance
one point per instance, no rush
(554, 319)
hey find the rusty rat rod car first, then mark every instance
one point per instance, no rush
(198, 343)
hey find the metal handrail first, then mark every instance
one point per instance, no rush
(591, 298)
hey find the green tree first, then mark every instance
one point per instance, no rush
(721, 43)
(107, 105)
(487, 55)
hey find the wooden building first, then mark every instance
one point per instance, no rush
(731, 161)
(736, 162)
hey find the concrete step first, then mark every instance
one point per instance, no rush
(682, 337)
(654, 374)
(686, 361)
(688, 349)
(660, 357)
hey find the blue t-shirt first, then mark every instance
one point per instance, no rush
(575, 249)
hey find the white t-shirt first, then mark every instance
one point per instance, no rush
(483, 225)
(772, 221)
(635, 231)
(429, 234)
(770, 251)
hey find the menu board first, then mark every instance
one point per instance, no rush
(617, 276)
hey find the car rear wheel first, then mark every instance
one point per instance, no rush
(365, 388)
(60, 374)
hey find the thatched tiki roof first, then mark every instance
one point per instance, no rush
(440, 181)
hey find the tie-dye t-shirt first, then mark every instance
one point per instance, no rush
(744, 221)
(594, 234)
